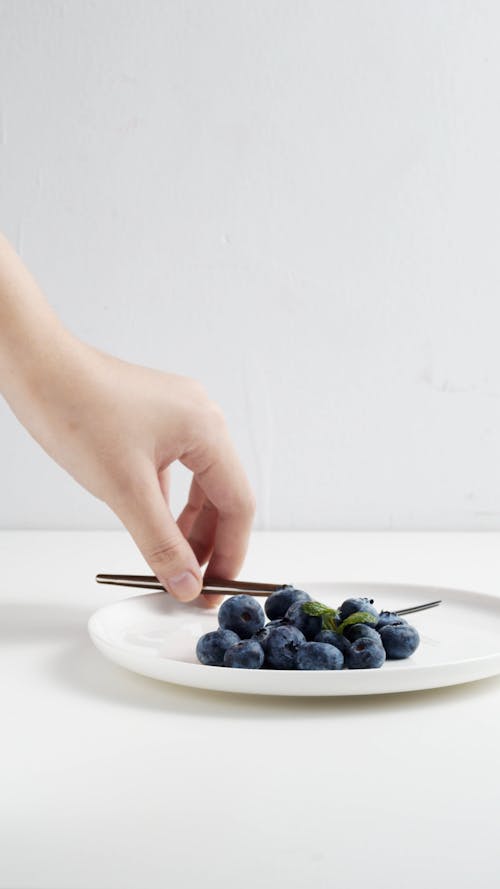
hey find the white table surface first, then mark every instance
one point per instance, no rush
(109, 780)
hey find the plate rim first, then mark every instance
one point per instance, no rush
(486, 598)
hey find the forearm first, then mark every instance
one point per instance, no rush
(42, 364)
(32, 338)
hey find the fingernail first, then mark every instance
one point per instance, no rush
(184, 586)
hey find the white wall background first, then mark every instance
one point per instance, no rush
(296, 202)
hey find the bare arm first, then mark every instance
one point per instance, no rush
(116, 428)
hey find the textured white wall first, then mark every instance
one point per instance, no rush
(297, 203)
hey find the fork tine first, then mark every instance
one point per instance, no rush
(418, 607)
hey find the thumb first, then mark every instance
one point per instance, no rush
(166, 550)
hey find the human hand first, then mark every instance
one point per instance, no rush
(116, 428)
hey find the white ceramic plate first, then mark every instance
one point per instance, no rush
(460, 641)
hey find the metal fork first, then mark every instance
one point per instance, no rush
(220, 586)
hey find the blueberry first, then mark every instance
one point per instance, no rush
(389, 617)
(211, 648)
(278, 603)
(246, 655)
(349, 606)
(365, 654)
(242, 614)
(331, 638)
(399, 640)
(308, 624)
(262, 635)
(282, 647)
(356, 631)
(319, 656)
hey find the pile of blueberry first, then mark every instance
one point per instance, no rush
(302, 634)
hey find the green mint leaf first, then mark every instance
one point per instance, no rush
(359, 617)
(329, 622)
(317, 609)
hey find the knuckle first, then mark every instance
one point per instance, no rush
(209, 423)
(215, 415)
(248, 506)
(167, 550)
(242, 504)
(251, 503)
(205, 420)
(196, 390)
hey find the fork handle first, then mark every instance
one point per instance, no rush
(216, 586)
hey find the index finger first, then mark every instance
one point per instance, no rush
(225, 484)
